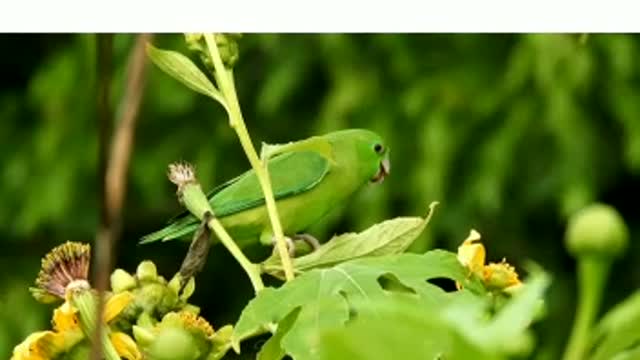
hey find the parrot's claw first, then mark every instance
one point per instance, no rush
(309, 239)
(291, 247)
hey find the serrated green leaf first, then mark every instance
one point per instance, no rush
(184, 70)
(326, 295)
(619, 329)
(386, 238)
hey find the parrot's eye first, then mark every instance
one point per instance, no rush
(378, 148)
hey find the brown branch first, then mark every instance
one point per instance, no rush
(114, 168)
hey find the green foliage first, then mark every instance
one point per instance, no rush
(185, 71)
(617, 336)
(326, 296)
(404, 328)
(385, 238)
(511, 133)
(349, 312)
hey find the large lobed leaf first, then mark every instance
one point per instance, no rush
(404, 328)
(327, 297)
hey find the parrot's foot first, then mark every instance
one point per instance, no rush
(309, 239)
(291, 246)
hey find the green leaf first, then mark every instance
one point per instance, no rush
(184, 70)
(326, 296)
(272, 350)
(386, 238)
(619, 329)
(506, 331)
(398, 327)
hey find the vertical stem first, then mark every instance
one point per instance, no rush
(226, 83)
(592, 274)
(252, 270)
(196, 202)
(103, 237)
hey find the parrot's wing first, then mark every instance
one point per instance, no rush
(291, 173)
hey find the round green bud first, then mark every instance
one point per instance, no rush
(597, 230)
(173, 343)
(122, 281)
(147, 271)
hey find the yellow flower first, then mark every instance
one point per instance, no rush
(495, 276)
(41, 345)
(471, 253)
(125, 346)
(500, 276)
(67, 332)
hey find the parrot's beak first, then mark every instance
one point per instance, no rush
(383, 171)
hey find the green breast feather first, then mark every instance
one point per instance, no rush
(291, 173)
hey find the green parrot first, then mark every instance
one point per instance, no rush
(309, 178)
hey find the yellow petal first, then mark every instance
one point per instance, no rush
(472, 253)
(41, 345)
(125, 346)
(65, 318)
(116, 304)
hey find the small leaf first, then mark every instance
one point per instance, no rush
(619, 329)
(386, 238)
(326, 296)
(184, 70)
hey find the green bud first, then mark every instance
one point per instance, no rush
(189, 191)
(122, 281)
(147, 271)
(173, 343)
(228, 47)
(180, 335)
(597, 230)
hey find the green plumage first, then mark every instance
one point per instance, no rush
(309, 178)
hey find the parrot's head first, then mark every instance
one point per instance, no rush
(367, 150)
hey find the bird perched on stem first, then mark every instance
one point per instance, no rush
(309, 178)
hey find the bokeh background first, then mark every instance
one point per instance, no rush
(511, 133)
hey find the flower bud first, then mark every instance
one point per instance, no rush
(122, 281)
(597, 230)
(228, 47)
(173, 343)
(180, 335)
(147, 271)
(189, 191)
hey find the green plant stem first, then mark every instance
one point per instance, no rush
(86, 304)
(252, 270)
(196, 202)
(225, 80)
(592, 274)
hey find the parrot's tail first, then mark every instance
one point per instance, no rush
(177, 229)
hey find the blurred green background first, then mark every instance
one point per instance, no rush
(511, 133)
